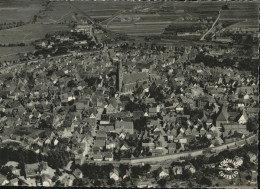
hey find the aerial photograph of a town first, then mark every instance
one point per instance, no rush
(139, 94)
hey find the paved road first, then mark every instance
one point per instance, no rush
(190, 153)
(213, 25)
(175, 156)
(84, 13)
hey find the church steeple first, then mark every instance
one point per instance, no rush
(119, 77)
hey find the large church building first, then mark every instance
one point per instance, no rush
(127, 82)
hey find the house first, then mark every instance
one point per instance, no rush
(14, 182)
(124, 147)
(177, 170)
(252, 112)
(149, 145)
(92, 120)
(253, 177)
(171, 148)
(150, 101)
(179, 108)
(32, 170)
(106, 128)
(15, 171)
(245, 90)
(236, 128)
(144, 184)
(3, 180)
(127, 127)
(46, 180)
(210, 165)
(171, 134)
(105, 119)
(100, 135)
(130, 81)
(138, 114)
(78, 173)
(67, 179)
(252, 157)
(100, 144)
(209, 122)
(190, 167)
(80, 106)
(152, 111)
(243, 118)
(111, 109)
(222, 117)
(107, 155)
(153, 123)
(110, 143)
(97, 156)
(114, 174)
(163, 173)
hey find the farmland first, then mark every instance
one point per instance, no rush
(57, 12)
(15, 10)
(155, 19)
(29, 33)
(12, 53)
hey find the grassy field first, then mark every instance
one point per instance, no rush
(18, 10)
(12, 53)
(57, 12)
(29, 33)
(161, 16)
(24, 131)
(181, 15)
(66, 11)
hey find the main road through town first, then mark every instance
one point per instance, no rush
(195, 153)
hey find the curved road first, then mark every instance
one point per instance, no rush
(178, 155)
(190, 153)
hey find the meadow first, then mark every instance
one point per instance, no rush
(66, 11)
(12, 53)
(18, 10)
(29, 33)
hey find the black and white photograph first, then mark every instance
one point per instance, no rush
(129, 94)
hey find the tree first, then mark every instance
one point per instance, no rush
(146, 168)
(136, 171)
(205, 181)
(248, 177)
(78, 182)
(90, 171)
(71, 84)
(111, 182)
(162, 182)
(58, 159)
(186, 174)
(252, 124)
(190, 185)
(225, 7)
(97, 183)
(122, 169)
(58, 183)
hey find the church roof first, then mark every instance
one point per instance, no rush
(134, 77)
(222, 116)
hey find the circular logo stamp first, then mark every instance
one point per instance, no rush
(229, 168)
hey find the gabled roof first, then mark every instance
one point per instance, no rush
(124, 125)
(134, 77)
(113, 102)
(222, 116)
(114, 171)
(99, 143)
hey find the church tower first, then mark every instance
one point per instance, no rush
(119, 77)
